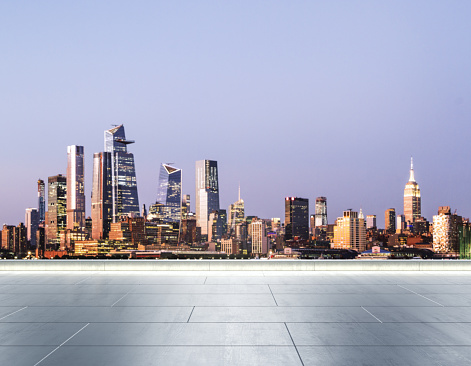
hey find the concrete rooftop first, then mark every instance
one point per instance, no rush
(235, 318)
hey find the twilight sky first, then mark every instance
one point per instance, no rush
(292, 98)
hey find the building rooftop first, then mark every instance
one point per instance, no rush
(235, 318)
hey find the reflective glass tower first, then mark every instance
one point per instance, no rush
(75, 188)
(296, 218)
(412, 203)
(207, 192)
(123, 174)
(57, 208)
(41, 200)
(321, 211)
(102, 204)
(169, 193)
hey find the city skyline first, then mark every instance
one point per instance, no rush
(297, 88)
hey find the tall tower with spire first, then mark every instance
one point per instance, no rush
(236, 213)
(412, 204)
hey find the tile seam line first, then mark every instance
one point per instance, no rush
(274, 299)
(191, 314)
(122, 297)
(6, 316)
(372, 315)
(294, 344)
(59, 346)
(405, 288)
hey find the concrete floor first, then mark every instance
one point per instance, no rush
(235, 318)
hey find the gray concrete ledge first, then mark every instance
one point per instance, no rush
(235, 265)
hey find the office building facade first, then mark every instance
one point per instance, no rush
(169, 193)
(56, 208)
(31, 224)
(296, 218)
(41, 200)
(350, 232)
(102, 198)
(207, 192)
(75, 188)
(125, 199)
(390, 220)
(321, 211)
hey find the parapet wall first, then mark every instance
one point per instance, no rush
(234, 265)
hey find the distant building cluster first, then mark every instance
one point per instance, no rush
(120, 228)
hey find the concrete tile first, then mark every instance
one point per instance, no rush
(365, 356)
(36, 334)
(197, 300)
(421, 334)
(451, 299)
(440, 289)
(182, 334)
(279, 314)
(5, 311)
(144, 280)
(175, 356)
(201, 289)
(60, 300)
(90, 314)
(23, 355)
(419, 314)
(331, 334)
(352, 300)
(338, 289)
(67, 289)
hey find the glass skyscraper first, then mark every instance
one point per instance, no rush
(102, 205)
(56, 212)
(169, 193)
(41, 200)
(296, 218)
(75, 188)
(321, 211)
(123, 174)
(207, 192)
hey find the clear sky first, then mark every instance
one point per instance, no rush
(292, 98)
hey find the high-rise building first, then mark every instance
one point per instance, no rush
(56, 208)
(75, 188)
(186, 206)
(125, 200)
(350, 232)
(207, 192)
(446, 231)
(412, 204)
(371, 221)
(296, 218)
(41, 200)
(400, 223)
(31, 224)
(321, 211)
(102, 199)
(217, 225)
(259, 237)
(169, 193)
(390, 220)
(236, 214)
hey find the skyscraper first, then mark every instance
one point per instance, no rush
(321, 211)
(207, 192)
(350, 231)
(259, 237)
(123, 174)
(56, 208)
(412, 204)
(102, 199)
(75, 188)
(296, 218)
(371, 221)
(236, 213)
(31, 224)
(169, 193)
(390, 220)
(41, 200)
(446, 231)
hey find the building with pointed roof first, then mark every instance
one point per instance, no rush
(412, 202)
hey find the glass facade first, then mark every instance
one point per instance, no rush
(123, 174)
(75, 188)
(56, 208)
(321, 211)
(41, 200)
(207, 192)
(102, 205)
(296, 218)
(169, 193)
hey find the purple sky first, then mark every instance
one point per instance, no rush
(292, 98)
